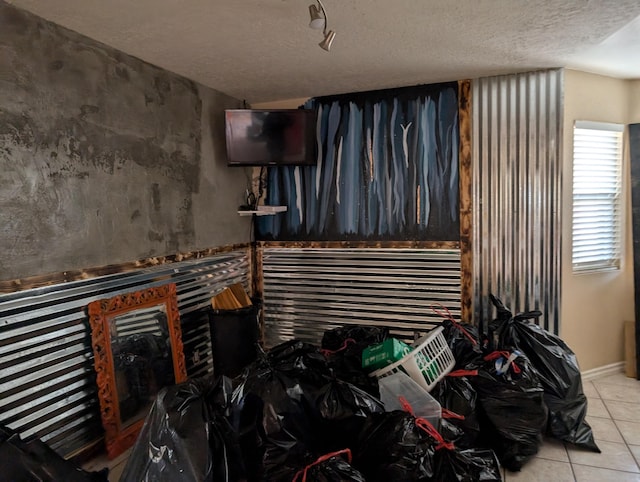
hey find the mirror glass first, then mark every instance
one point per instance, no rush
(141, 349)
(137, 346)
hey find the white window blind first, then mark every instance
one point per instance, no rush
(597, 179)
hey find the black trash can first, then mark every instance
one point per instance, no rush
(234, 338)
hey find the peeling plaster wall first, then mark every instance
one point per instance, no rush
(104, 158)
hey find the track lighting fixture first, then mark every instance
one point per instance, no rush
(328, 40)
(319, 21)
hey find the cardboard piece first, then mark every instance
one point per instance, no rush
(231, 298)
(240, 294)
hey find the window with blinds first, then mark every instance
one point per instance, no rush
(597, 179)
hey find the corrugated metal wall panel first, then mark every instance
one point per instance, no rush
(47, 381)
(308, 290)
(517, 141)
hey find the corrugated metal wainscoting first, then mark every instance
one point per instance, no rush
(47, 380)
(517, 142)
(309, 290)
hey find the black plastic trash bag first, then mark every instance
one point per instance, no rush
(272, 409)
(273, 427)
(456, 394)
(281, 462)
(362, 336)
(393, 448)
(186, 437)
(558, 370)
(512, 412)
(34, 461)
(451, 464)
(330, 468)
(463, 340)
(341, 411)
(298, 358)
(470, 465)
(449, 430)
(343, 348)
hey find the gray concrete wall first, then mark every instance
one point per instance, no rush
(104, 158)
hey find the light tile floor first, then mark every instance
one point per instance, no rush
(116, 471)
(614, 415)
(115, 466)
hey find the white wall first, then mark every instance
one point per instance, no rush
(594, 306)
(634, 101)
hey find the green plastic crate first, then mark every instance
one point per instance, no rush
(379, 356)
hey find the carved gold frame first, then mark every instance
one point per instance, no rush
(117, 438)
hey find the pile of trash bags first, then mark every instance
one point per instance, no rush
(301, 412)
(557, 369)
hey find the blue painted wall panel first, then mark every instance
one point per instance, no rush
(387, 170)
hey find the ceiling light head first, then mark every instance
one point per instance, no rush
(320, 20)
(317, 18)
(328, 40)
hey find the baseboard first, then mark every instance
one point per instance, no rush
(617, 367)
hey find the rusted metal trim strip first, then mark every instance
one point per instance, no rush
(362, 244)
(257, 284)
(11, 286)
(466, 192)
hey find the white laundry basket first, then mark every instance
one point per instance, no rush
(429, 361)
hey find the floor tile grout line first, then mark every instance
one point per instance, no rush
(553, 460)
(606, 408)
(602, 418)
(608, 468)
(615, 422)
(637, 459)
(573, 472)
(627, 445)
(566, 449)
(624, 440)
(596, 389)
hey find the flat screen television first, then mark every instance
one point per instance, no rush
(270, 137)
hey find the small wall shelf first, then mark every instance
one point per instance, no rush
(263, 211)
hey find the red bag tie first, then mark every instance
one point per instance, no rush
(497, 354)
(344, 346)
(463, 373)
(320, 459)
(446, 413)
(456, 323)
(425, 425)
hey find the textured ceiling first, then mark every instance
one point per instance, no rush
(263, 50)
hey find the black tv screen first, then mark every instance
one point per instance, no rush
(270, 137)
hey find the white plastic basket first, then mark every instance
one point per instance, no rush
(427, 363)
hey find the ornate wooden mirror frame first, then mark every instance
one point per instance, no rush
(137, 344)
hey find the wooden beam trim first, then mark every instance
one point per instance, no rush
(12, 286)
(466, 201)
(362, 244)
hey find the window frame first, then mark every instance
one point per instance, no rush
(605, 197)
